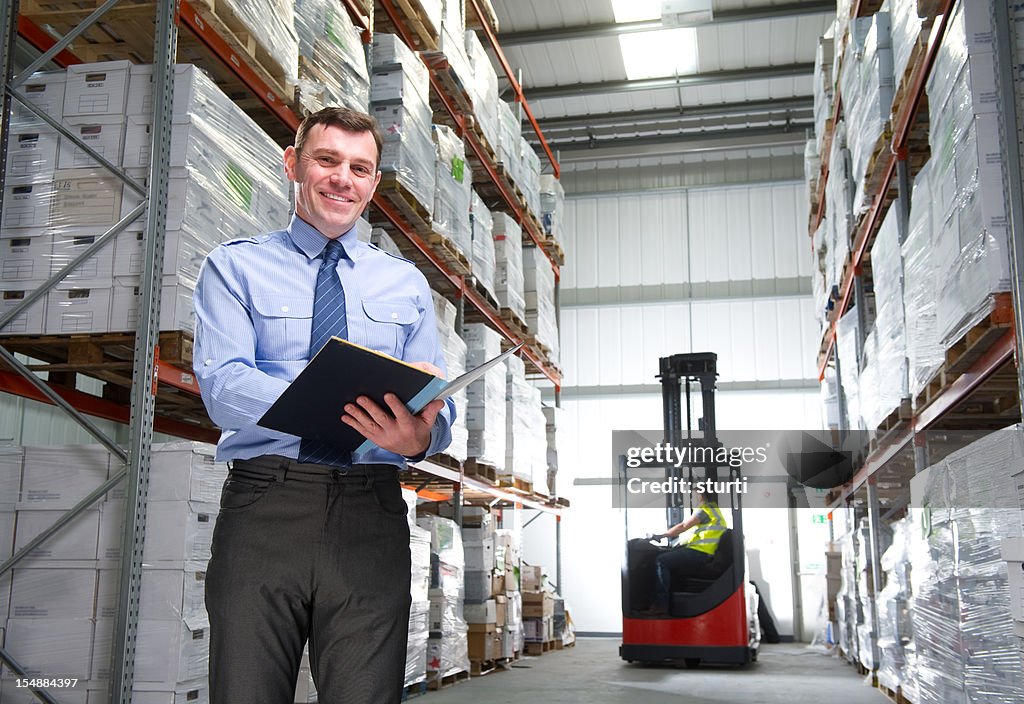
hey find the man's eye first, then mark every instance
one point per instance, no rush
(361, 170)
(326, 161)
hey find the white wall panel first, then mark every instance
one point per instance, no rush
(607, 345)
(764, 340)
(740, 231)
(627, 228)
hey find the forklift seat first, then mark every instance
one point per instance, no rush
(694, 594)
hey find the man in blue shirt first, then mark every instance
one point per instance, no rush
(311, 542)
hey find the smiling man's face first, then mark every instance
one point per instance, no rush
(336, 174)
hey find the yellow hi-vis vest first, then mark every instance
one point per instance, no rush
(706, 535)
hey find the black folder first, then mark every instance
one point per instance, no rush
(342, 371)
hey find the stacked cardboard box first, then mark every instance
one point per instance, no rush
(63, 596)
(506, 565)
(539, 293)
(824, 88)
(419, 612)
(400, 100)
(453, 190)
(525, 443)
(451, 42)
(483, 88)
(962, 608)
(455, 360)
(896, 666)
(446, 646)
(483, 263)
(867, 88)
(508, 279)
(485, 600)
(969, 220)
(57, 203)
(485, 414)
(332, 63)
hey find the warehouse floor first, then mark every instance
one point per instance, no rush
(592, 672)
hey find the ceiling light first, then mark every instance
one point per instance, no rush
(666, 52)
(636, 10)
(685, 13)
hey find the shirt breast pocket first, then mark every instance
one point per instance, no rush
(282, 326)
(389, 324)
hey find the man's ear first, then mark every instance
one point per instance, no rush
(291, 158)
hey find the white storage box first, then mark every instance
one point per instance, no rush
(51, 647)
(28, 322)
(57, 593)
(96, 89)
(176, 312)
(26, 258)
(104, 134)
(176, 531)
(59, 476)
(95, 272)
(77, 310)
(32, 154)
(45, 90)
(27, 205)
(166, 652)
(170, 592)
(85, 197)
(75, 541)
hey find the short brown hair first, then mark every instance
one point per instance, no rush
(343, 118)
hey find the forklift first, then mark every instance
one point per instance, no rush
(711, 616)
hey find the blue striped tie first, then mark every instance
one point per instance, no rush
(328, 321)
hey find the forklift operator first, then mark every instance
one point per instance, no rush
(691, 557)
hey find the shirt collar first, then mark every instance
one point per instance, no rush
(312, 242)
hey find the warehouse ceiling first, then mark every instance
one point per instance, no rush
(604, 89)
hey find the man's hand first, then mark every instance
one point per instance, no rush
(428, 368)
(394, 429)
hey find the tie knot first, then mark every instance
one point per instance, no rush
(332, 253)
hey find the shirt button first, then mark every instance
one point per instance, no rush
(284, 309)
(394, 316)
(208, 362)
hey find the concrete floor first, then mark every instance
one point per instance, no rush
(592, 672)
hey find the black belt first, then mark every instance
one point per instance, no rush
(286, 468)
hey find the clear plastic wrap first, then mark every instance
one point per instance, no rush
(838, 203)
(271, 25)
(961, 611)
(524, 430)
(907, 28)
(508, 246)
(332, 63)
(867, 94)
(220, 188)
(924, 353)
(452, 190)
(416, 650)
(824, 87)
(482, 225)
(812, 170)
(455, 359)
(483, 88)
(847, 350)
(552, 207)
(539, 293)
(399, 90)
(446, 647)
(485, 412)
(889, 358)
(894, 627)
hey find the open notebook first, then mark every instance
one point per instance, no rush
(312, 406)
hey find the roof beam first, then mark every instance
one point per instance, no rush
(576, 90)
(612, 29)
(647, 117)
(790, 135)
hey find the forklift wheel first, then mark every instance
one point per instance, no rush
(692, 662)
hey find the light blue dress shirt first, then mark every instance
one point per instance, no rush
(254, 309)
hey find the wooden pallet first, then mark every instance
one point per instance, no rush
(894, 695)
(451, 84)
(445, 248)
(539, 648)
(473, 126)
(515, 483)
(435, 683)
(126, 32)
(553, 249)
(412, 17)
(481, 471)
(484, 293)
(512, 319)
(892, 423)
(963, 353)
(488, 18)
(414, 690)
(446, 460)
(874, 174)
(906, 81)
(398, 195)
(109, 357)
(479, 668)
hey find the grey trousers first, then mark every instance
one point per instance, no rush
(304, 552)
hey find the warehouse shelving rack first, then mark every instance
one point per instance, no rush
(989, 389)
(149, 375)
